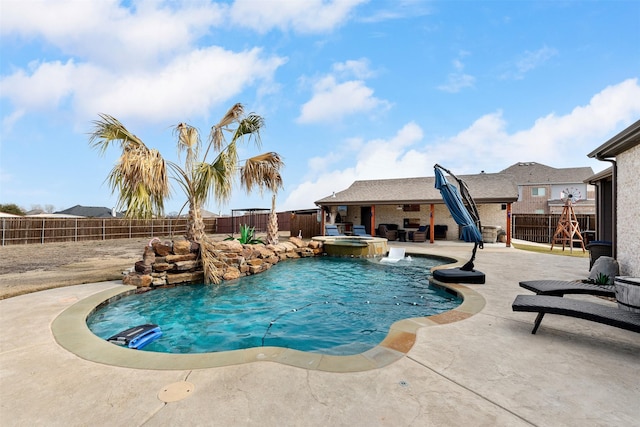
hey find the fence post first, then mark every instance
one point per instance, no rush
(75, 231)
(4, 224)
(42, 233)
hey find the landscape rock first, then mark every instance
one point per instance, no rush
(142, 267)
(149, 256)
(172, 263)
(181, 246)
(607, 266)
(162, 249)
(297, 242)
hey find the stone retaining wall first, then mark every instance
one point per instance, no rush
(177, 262)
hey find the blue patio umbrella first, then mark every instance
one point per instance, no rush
(465, 214)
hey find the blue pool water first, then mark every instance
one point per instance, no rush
(326, 305)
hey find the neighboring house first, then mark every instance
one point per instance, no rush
(91, 212)
(411, 202)
(618, 197)
(540, 188)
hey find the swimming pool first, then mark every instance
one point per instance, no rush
(326, 305)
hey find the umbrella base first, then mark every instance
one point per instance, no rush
(456, 275)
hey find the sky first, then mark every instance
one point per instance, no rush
(349, 89)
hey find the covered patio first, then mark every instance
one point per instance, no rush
(409, 203)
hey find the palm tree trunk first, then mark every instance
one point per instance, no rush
(195, 227)
(272, 226)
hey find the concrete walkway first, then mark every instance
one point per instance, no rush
(486, 370)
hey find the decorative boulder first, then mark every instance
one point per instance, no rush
(607, 266)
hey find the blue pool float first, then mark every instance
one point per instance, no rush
(137, 337)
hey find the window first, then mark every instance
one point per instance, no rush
(538, 191)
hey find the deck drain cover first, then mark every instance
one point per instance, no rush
(176, 391)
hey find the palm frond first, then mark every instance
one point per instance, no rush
(216, 136)
(262, 171)
(141, 181)
(215, 178)
(189, 142)
(251, 126)
(109, 130)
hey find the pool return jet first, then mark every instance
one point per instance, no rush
(465, 212)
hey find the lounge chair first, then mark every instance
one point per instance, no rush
(395, 255)
(388, 231)
(420, 235)
(600, 313)
(332, 230)
(359, 230)
(559, 288)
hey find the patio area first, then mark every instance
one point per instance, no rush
(485, 370)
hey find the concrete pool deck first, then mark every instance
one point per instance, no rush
(484, 370)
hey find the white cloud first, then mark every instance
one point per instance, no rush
(529, 61)
(136, 61)
(107, 33)
(557, 141)
(356, 68)
(187, 86)
(332, 100)
(377, 159)
(458, 80)
(309, 16)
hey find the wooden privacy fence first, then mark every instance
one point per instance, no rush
(540, 228)
(231, 225)
(26, 230)
(308, 225)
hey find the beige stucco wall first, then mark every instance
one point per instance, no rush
(628, 212)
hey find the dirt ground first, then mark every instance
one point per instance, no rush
(35, 267)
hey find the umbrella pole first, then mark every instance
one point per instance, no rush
(469, 265)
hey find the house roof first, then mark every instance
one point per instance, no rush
(530, 173)
(602, 175)
(628, 138)
(484, 188)
(89, 211)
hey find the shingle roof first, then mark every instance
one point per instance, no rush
(625, 140)
(484, 188)
(528, 173)
(89, 211)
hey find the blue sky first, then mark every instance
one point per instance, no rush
(349, 89)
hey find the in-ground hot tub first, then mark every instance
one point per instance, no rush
(353, 246)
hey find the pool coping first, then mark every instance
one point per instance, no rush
(71, 332)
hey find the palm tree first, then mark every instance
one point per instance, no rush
(140, 176)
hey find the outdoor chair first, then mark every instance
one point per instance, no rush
(560, 288)
(332, 230)
(420, 235)
(388, 231)
(600, 313)
(359, 230)
(395, 255)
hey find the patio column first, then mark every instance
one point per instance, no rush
(432, 227)
(509, 225)
(373, 220)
